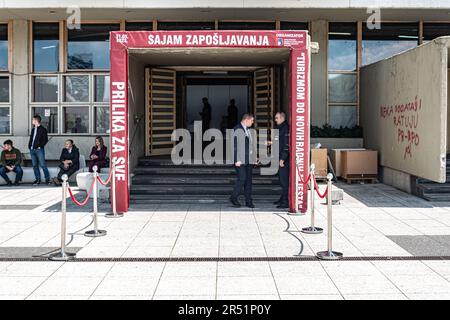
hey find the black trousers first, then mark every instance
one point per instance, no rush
(283, 175)
(244, 175)
(70, 171)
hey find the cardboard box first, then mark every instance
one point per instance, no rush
(319, 158)
(335, 158)
(359, 163)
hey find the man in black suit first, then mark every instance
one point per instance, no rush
(243, 161)
(206, 114)
(283, 152)
(70, 161)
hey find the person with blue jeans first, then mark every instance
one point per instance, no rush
(10, 160)
(36, 144)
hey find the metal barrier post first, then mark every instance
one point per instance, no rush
(63, 255)
(312, 229)
(95, 232)
(329, 254)
(114, 213)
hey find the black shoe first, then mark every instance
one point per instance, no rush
(283, 205)
(49, 182)
(9, 183)
(277, 202)
(16, 183)
(235, 202)
(250, 205)
(36, 182)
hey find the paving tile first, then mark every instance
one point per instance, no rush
(84, 269)
(305, 284)
(136, 286)
(63, 286)
(243, 269)
(190, 269)
(33, 269)
(356, 284)
(311, 297)
(258, 297)
(19, 286)
(393, 296)
(417, 284)
(246, 286)
(185, 297)
(186, 286)
(125, 270)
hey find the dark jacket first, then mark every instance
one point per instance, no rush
(245, 153)
(74, 156)
(206, 112)
(101, 153)
(41, 138)
(283, 131)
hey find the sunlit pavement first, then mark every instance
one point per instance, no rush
(373, 222)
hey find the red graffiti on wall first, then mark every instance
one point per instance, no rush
(405, 119)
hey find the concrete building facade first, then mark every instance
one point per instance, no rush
(51, 68)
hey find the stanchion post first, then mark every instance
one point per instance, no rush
(114, 213)
(95, 232)
(63, 255)
(312, 229)
(329, 254)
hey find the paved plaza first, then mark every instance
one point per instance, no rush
(376, 226)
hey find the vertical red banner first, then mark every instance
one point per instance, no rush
(119, 125)
(299, 130)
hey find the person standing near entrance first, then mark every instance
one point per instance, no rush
(232, 114)
(36, 144)
(206, 114)
(283, 151)
(243, 155)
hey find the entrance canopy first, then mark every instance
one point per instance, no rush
(165, 46)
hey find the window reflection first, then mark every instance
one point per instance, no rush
(342, 116)
(101, 88)
(88, 47)
(342, 88)
(76, 88)
(342, 46)
(5, 120)
(3, 47)
(4, 89)
(46, 47)
(45, 89)
(101, 119)
(391, 39)
(76, 119)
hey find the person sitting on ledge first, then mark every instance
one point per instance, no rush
(10, 161)
(98, 155)
(70, 161)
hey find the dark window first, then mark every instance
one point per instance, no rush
(4, 89)
(76, 119)
(101, 119)
(293, 25)
(88, 47)
(391, 39)
(342, 46)
(49, 116)
(46, 47)
(186, 25)
(3, 47)
(139, 26)
(243, 25)
(435, 30)
(101, 88)
(45, 89)
(5, 120)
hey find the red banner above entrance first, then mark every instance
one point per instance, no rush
(296, 41)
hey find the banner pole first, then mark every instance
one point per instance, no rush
(95, 232)
(312, 229)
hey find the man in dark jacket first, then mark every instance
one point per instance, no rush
(283, 171)
(243, 161)
(10, 162)
(70, 161)
(36, 144)
(206, 114)
(232, 117)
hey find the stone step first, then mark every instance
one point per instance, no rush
(200, 170)
(197, 179)
(198, 189)
(183, 199)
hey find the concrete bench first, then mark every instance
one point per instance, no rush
(28, 173)
(84, 181)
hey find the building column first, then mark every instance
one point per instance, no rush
(20, 85)
(319, 76)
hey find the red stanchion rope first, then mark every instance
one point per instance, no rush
(316, 187)
(301, 179)
(107, 180)
(82, 203)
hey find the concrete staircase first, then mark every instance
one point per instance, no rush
(158, 180)
(434, 191)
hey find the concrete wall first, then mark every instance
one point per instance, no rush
(319, 76)
(136, 113)
(409, 139)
